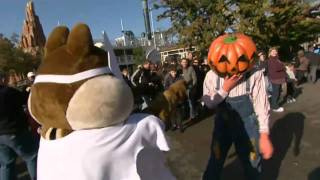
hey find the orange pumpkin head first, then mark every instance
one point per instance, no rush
(231, 54)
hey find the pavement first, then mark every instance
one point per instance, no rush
(295, 134)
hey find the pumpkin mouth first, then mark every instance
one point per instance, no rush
(233, 70)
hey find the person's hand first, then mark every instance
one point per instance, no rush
(266, 147)
(28, 89)
(39, 130)
(231, 82)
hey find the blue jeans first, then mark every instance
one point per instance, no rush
(312, 77)
(192, 104)
(235, 122)
(268, 85)
(11, 145)
(246, 141)
(275, 96)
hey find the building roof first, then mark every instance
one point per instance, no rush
(174, 47)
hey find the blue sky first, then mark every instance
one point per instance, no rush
(98, 14)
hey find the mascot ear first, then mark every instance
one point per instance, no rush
(57, 38)
(80, 40)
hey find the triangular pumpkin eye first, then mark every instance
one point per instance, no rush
(243, 58)
(224, 59)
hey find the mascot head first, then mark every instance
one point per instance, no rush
(74, 88)
(231, 54)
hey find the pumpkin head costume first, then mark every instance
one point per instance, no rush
(88, 131)
(241, 103)
(231, 54)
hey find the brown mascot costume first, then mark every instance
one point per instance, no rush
(87, 129)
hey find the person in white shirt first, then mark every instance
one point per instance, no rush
(291, 83)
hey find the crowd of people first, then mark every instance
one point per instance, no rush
(18, 132)
(16, 137)
(284, 78)
(151, 78)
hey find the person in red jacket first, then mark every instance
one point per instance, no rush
(277, 76)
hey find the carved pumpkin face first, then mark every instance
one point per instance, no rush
(231, 54)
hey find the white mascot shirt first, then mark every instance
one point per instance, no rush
(130, 151)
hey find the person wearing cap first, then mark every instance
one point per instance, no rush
(35, 127)
(15, 138)
(31, 76)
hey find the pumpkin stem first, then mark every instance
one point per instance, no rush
(230, 39)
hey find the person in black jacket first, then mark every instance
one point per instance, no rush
(156, 79)
(126, 76)
(142, 82)
(171, 77)
(15, 138)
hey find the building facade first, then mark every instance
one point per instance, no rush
(176, 52)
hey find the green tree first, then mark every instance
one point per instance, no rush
(12, 57)
(197, 22)
(283, 23)
(14, 38)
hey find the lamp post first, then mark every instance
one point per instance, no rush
(152, 29)
(124, 45)
(146, 18)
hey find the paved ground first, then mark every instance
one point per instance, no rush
(295, 134)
